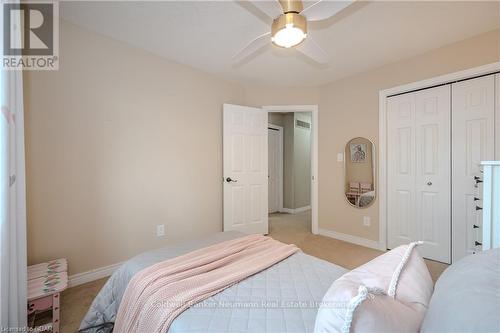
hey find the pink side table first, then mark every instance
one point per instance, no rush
(46, 281)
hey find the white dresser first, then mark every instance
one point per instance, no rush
(491, 205)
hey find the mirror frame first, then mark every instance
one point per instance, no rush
(374, 167)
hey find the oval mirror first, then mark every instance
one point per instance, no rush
(359, 172)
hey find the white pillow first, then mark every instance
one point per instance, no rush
(388, 294)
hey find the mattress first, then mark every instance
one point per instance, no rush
(283, 298)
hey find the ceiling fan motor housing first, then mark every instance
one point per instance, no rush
(291, 6)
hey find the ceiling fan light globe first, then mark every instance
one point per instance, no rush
(289, 37)
(289, 30)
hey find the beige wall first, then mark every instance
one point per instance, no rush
(349, 108)
(113, 148)
(260, 96)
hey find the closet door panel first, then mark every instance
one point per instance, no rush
(433, 157)
(401, 170)
(473, 119)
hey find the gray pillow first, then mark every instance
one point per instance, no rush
(466, 297)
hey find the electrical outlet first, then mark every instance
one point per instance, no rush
(160, 230)
(366, 221)
(340, 157)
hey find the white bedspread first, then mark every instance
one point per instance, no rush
(283, 298)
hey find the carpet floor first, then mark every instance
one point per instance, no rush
(287, 228)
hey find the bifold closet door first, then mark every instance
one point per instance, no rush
(419, 156)
(473, 128)
(401, 221)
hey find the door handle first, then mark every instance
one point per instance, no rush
(429, 183)
(229, 180)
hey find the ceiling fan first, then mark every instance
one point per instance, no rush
(289, 27)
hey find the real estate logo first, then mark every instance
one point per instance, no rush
(30, 35)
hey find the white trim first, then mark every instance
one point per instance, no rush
(382, 116)
(443, 79)
(280, 164)
(92, 275)
(301, 209)
(497, 117)
(350, 238)
(295, 211)
(314, 153)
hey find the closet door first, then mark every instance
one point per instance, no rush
(418, 171)
(401, 221)
(433, 174)
(473, 105)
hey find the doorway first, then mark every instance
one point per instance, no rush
(290, 175)
(245, 167)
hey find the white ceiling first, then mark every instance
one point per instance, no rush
(205, 35)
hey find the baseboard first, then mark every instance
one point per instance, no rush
(350, 238)
(294, 211)
(92, 275)
(301, 209)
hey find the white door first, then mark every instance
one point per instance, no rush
(473, 138)
(400, 170)
(274, 169)
(433, 151)
(419, 171)
(245, 169)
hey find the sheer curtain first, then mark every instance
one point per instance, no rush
(12, 200)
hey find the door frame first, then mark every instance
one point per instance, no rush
(314, 153)
(280, 163)
(382, 118)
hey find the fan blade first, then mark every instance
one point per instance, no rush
(324, 9)
(309, 48)
(252, 47)
(270, 7)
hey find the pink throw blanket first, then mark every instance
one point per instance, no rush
(158, 294)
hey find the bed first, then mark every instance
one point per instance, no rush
(283, 298)
(301, 294)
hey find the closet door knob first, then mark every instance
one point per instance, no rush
(429, 183)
